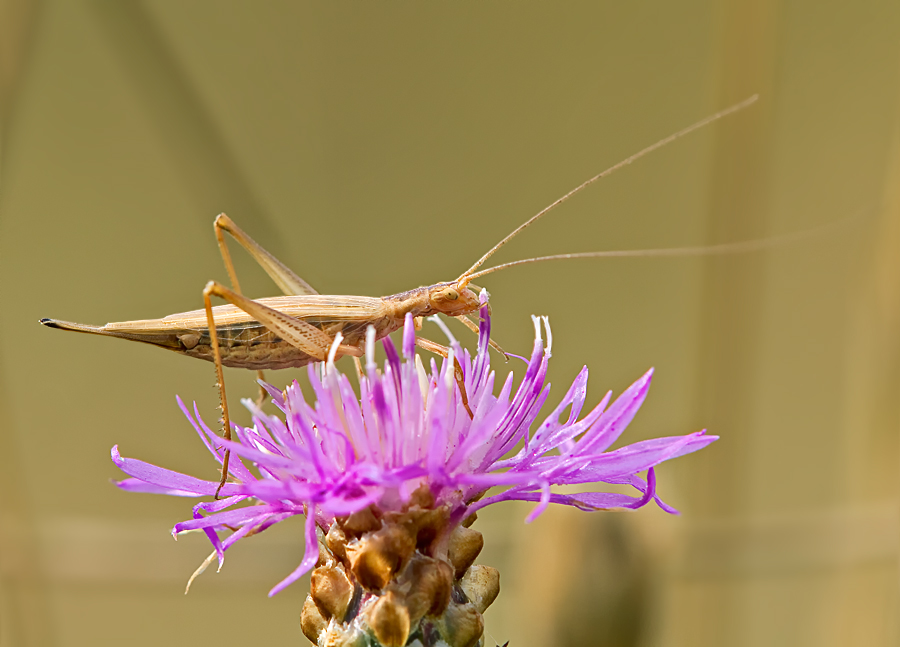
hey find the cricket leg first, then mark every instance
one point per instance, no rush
(224, 223)
(284, 277)
(220, 382)
(471, 325)
(298, 333)
(443, 351)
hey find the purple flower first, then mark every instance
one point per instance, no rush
(410, 429)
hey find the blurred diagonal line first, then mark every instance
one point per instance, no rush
(809, 541)
(18, 19)
(197, 148)
(25, 612)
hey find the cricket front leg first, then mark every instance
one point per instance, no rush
(443, 351)
(471, 325)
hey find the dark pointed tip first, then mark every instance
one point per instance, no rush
(50, 323)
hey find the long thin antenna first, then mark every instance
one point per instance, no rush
(706, 250)
(662, 142)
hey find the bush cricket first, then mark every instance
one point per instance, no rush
(304, 326)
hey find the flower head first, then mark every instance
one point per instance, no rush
(406, 453)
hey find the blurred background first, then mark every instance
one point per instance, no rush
(378, 146)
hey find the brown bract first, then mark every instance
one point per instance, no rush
(427, 586)
(465, 545)
(312, 622)
(462, 625)
(331, 590)
(378, 556)
(389, 619)
(481, 584)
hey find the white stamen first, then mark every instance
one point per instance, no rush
(200, 569)
(332, 352)
(549, 334)
(450, 374)
(537, 328)
(436, 319)
(370, 347)
(423, 379)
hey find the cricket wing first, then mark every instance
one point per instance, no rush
(169, 337)
(181, 332)
(314, 308)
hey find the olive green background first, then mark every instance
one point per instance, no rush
(383, 145)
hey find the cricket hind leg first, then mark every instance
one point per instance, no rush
(284, 278)
(443, 351)
(287, 281)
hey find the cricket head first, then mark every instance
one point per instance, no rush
(453, 299)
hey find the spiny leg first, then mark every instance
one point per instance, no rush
(289, 282)
(220, 381)
(296, 332)
(235, 284)
(443, 351)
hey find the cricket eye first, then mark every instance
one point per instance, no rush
(451, 294)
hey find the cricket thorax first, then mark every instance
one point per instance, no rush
(414, 302)
(449, 299)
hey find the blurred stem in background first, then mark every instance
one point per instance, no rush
(210, 173)
(24, 601)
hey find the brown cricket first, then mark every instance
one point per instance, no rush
(304, 326)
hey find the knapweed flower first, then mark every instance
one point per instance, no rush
(390, 481)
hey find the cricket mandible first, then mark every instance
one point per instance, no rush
(303, 326)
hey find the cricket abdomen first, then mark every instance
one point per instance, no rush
(253, 346)
(250, 347)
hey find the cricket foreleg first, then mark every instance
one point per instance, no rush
(471, 325)
(263, 394)
(284, 277)
(443, 351)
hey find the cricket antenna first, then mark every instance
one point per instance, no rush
(741, 247)
(469, 273)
